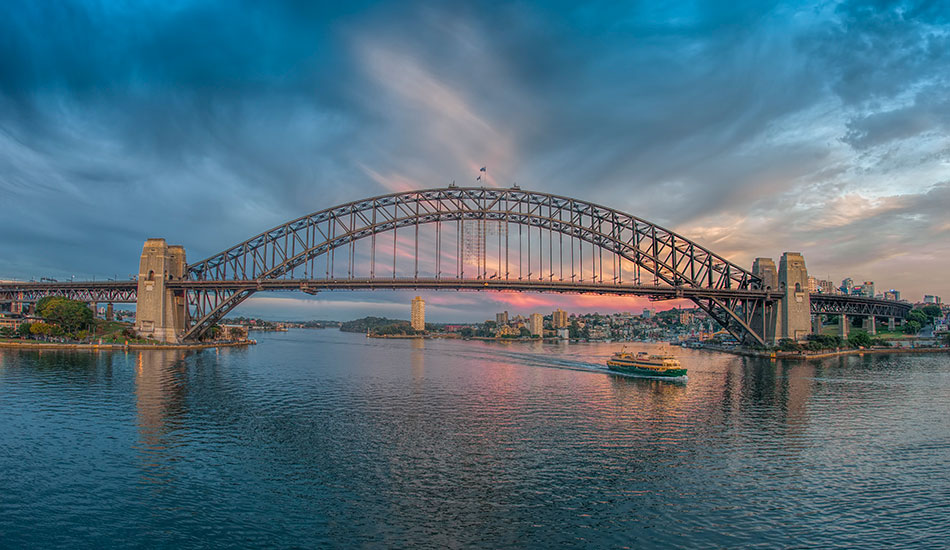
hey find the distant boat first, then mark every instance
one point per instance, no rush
(644, 364)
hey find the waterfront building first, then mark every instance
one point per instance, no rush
(501, 318)
(559, 319)
(233, 333)
(418, 317)
(506, 330)
(536, 325)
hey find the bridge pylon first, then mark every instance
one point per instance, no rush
(766, 317)
(790, 317)
(160, 311)
(795, 317)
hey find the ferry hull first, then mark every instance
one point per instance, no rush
(627, 368)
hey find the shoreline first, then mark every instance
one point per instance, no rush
(802, 355)
(122, 347)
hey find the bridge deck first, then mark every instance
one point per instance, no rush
(125, 291)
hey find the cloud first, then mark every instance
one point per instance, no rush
(753, 128)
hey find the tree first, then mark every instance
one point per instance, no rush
(919, 316)
(824, 341)
(912, 327)
(71, 316)
(787, 344)
(466, 332)
(932, 311)
(574, 330)
(524, 332)
(41, 329)
(24, 330)
(859, 339)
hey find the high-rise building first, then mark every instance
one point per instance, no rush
(559, 318)
(868, 288)
(418, 318)
(892, 295)
(931, 299)
(812, 284)
(536, 325)
(501, 318)
(847, 285)
(826, 287)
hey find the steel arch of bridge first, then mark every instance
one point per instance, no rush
(663, 264)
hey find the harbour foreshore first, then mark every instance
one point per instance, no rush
(804, 355)
(120, 347)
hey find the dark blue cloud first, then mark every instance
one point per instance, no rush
(206, 122)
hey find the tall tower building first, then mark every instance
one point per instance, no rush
(501, 318)
(559, 318)
(418, 318)
(536, 324)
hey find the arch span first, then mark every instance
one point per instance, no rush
(475, 234)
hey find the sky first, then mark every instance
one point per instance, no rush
(752, 128)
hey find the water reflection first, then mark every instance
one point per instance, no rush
(160, 403)
(317, 438)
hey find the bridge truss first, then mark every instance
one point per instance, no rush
(830, 304)
(468, 239)
(503, 239)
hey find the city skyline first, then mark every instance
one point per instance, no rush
(818, 130)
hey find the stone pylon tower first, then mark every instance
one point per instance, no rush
(159, 311)
(795, 316)
(765, 320)
(764, 269)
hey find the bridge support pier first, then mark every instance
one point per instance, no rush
(159, 311)
(843, 326)
(890, 324)
(870, 325)
(110, 313)
(816, 322)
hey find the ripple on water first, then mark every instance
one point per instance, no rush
(320, 438)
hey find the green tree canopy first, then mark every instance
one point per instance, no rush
(932, 311)
(919, 316)
(71, 316)
(859, 339)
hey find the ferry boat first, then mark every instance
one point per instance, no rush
(644, 364)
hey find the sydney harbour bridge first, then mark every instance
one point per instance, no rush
(478, 239)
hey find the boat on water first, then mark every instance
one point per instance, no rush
(645, 364)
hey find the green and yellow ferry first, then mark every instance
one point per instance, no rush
(644, 364)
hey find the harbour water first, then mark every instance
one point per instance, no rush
(320, 438)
